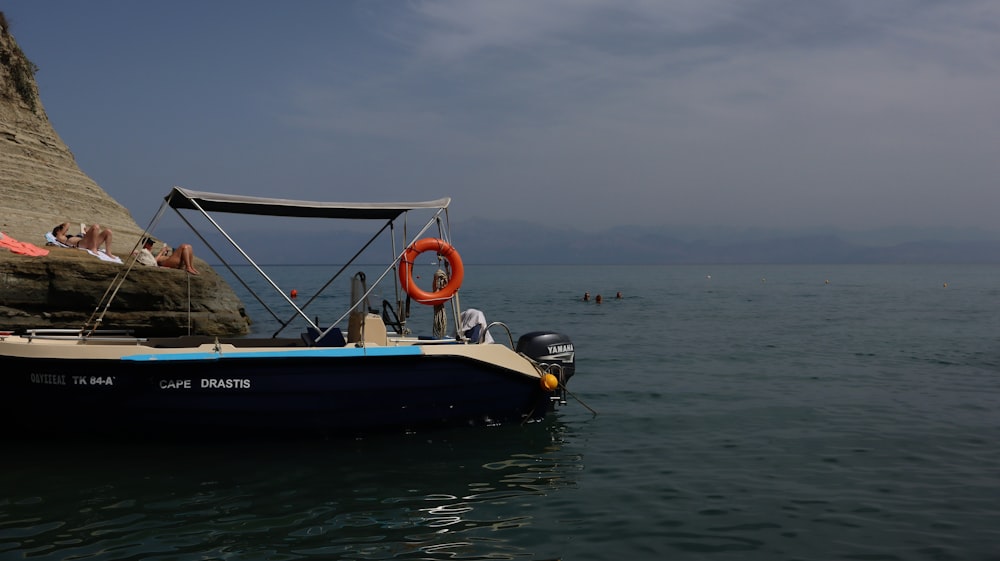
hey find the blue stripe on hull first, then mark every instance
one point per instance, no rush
(334, 352)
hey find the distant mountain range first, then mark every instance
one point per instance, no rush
(502, 243)
(497, 242)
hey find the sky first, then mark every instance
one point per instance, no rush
(585, 114)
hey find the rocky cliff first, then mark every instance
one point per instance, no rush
(41, 185)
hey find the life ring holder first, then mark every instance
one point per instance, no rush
(442, 248)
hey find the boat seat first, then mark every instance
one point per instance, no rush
(335, 338)
(367, 328)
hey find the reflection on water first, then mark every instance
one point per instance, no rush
(460, 494)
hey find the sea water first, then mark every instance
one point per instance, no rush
(742, 412)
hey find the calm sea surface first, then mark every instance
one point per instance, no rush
(744, 413)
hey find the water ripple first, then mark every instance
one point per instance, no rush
(309, 503)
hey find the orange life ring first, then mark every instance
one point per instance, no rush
(443, 249)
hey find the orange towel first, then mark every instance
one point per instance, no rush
(23, 248)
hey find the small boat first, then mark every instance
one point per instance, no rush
(365, 371)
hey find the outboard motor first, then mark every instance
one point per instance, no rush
(549, 349)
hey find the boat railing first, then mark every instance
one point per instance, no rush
(103, 336)
(482, 335)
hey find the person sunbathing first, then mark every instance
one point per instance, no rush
(92, 238)
(180, 258)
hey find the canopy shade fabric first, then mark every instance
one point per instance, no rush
(180, 198)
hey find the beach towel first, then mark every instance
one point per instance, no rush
(50, 239)
(21, 248)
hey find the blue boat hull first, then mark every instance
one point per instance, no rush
(255, 395)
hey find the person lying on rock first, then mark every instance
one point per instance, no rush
(180, 258)
(91, 238)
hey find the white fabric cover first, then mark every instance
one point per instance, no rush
(470, 319)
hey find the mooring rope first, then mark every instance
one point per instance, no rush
(440, 318)
(188, 275)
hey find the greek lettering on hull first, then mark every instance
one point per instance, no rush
(52, 379)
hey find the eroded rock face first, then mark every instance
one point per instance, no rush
(41, 185)
(64, 288)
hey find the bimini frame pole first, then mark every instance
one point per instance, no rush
(248, 259)
(390, 268)
(284, 324)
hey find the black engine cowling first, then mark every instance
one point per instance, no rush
(549, 348)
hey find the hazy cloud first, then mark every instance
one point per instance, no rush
(774, 113)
